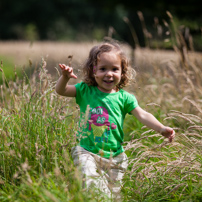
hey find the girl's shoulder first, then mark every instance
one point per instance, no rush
(127, 100)
(82, 84)
(82, 87)
(128, 97)
(126, 93)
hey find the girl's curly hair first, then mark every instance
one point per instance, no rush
(95, 52)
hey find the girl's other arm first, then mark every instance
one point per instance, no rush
(62, 87)
(150, 121)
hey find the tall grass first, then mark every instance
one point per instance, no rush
(160, 171)
(38, 129)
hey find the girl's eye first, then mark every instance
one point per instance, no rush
(102, 69)
(115, 69)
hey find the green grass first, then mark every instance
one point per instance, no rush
(9, 69)
(38, 130)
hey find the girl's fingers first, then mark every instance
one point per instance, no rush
(169, 133)
(67, 71)
(172, 136)
(74, 76)
(64, 67)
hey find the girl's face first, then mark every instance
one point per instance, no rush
(108, 72)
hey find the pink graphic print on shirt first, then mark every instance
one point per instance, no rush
(99, 122)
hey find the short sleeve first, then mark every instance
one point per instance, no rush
(79, 89)
(130, 103)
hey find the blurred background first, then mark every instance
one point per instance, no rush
(135, 22)
(54, 29)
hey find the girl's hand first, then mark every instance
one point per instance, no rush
(168, 133)
(67, 71)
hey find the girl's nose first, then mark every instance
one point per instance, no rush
(109, 73)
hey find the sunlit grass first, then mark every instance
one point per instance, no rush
(8, 67)
(38, 129)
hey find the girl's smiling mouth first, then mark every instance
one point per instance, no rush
(108, 81)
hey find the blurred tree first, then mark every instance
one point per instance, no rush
(87, 19)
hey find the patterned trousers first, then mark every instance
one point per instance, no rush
(101, 173)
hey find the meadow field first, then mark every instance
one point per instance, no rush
(38, 127)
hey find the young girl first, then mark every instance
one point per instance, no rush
(103, 107)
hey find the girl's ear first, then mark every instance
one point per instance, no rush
(94, 69)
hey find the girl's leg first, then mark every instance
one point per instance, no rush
(117, 171)
(88, 166)
(112, 170)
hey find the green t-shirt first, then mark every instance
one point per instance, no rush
(101, 119)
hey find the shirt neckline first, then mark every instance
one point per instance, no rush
(106, 94)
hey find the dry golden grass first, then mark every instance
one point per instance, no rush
(160, 73)
(22, 51)
(54, 52)
(162, 78)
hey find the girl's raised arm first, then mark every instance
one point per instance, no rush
(62, 87)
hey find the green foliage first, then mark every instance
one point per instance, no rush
(38, 129)
(8, 68)
(87, 20)
(31, 32)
